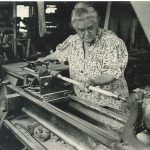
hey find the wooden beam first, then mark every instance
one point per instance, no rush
(142, 11)
(106, 23)
(41, 18)
(14, 29)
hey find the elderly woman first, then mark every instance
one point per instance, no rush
(96, 57)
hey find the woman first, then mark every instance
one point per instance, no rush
(96, 57)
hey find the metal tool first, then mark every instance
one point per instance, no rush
(92, 88)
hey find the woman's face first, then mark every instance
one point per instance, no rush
(87, 31)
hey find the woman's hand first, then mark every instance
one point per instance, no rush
(41, 59)
(84, 86)
(54, 73)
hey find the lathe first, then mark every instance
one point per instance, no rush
(43, 113)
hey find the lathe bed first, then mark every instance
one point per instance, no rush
(71, 122)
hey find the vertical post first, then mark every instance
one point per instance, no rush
(30, 11)
(29, 38)
(107, 15)
(41, 18)
(15, 29)
(28, 48)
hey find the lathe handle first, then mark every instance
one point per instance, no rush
(92, 88)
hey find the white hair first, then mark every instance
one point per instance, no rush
(83, 11)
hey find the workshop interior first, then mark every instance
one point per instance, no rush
(39, 112)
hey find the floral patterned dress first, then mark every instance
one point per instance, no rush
(107, 55)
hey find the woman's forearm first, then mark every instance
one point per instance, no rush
(51, 57)
(103, 79)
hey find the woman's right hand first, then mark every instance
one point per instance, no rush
(54, 73)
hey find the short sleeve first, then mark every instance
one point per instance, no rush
(63, 49)
(116, 58)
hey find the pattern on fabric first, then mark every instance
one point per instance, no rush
(107, 55)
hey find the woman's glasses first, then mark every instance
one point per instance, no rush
(89, 29)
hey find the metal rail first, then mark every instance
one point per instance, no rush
(92, 130)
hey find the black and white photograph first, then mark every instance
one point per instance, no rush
(74, 75)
